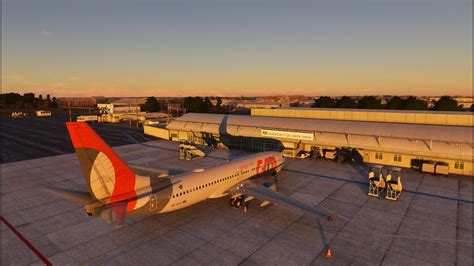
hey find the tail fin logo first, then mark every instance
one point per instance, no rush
(108, 176)
(102, 177)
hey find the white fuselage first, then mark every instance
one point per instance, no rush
(191, 188)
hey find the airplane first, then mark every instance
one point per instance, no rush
(115, 190)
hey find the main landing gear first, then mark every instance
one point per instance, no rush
(238, 202)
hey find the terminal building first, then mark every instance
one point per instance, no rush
(412, 139)
(127, 110)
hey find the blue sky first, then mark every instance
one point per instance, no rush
(167, 48)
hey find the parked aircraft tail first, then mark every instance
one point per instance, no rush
(109, 178)
(111, 183)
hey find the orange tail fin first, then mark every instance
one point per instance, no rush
(109, 178)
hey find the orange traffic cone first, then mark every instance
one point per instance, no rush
(246, 208)
(329, 254)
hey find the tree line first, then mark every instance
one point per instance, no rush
(445, 103)
(191, 104)
(203, 105)
(27, 100)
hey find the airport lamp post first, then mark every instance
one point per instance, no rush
(136, 109)
(69, 103)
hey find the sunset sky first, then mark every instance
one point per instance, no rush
(233, 48)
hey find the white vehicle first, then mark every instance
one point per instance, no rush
(43, 113)
(87, 118)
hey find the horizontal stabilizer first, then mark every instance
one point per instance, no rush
(79, 197)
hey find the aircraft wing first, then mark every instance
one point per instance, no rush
(148, 169)
(265, 194)
(160, 172)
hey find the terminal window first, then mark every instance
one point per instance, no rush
(397, 157)
(459, 165)
(378, 156)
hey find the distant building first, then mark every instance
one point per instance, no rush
(118, 108)
(255, 104)
(225, 101)
(80, 101)
(126, 109)
(465, 102)
(129, 101)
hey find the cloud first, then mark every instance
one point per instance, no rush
(45, 33)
